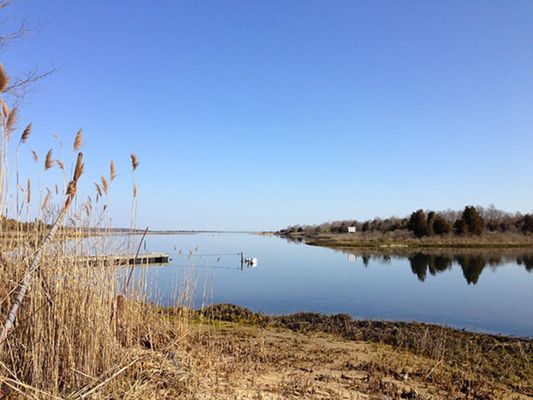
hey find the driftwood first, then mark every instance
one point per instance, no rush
(25, 285)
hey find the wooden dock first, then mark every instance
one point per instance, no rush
(141, 259)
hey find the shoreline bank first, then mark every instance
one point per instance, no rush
(315, 356)
(376, 241)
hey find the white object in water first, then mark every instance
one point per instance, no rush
(251, 261)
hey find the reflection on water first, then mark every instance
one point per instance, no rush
(477, 289)
(472, 262)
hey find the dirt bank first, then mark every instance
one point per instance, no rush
(233, 353)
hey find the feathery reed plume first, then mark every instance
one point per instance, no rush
(28, 191)
(11, 120)
(104, 184)
(89, 206)
(5, 108)
(79, 167)
(48, 160)
(98, 189)
(71, 190)
(46, 200)
(4, 79)
(78, 140)
(35, 156)
(134, 161)
(73, 184)
(112, 171)
(60, 164)
(26, 134)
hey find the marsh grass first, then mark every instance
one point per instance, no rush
(76, 333)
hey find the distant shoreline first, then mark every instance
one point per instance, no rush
(376, 241)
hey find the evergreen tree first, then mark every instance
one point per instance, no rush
(459, 227)
(473, 220)
(430, 222)
(418, 223)
(441, 226)
(527, 223)
(343, 228)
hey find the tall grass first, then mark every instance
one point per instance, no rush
(74, 332)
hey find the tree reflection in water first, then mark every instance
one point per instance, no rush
(472, 262)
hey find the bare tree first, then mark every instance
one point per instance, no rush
(18, 87)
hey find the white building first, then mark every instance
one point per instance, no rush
(351, 229)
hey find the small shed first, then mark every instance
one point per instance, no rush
(352, 229)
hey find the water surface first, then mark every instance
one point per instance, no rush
(480, 290)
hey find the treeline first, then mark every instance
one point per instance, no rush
(470, 221)
(10, 225)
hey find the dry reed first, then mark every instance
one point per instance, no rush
(5, 109)
(134, 161)
(4, 79)
(112, 171)
(26, 134)
(11, 121)
(28, 191)
(46, 201)
(48, 162)
(73, 337)
(104, 184)
(65, 341)
(78, 140)
(98, 189)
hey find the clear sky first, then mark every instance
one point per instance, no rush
(260, 114)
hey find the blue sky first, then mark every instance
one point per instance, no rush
(256, 115)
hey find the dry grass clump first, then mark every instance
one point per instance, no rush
(71, 331)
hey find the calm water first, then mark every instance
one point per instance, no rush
(488, 291)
